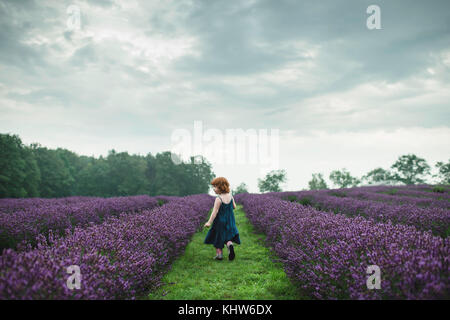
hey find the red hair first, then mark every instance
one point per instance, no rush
(222, 184)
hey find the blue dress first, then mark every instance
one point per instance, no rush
(223, 228)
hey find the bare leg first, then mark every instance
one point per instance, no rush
(228, 243)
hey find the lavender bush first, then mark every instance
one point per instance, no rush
(417, 194)
(397, 199)
(326, 255)
(122, 258)
(436, 220)
(28, 221)
(429, 188)
(416, 191)
(15, 204)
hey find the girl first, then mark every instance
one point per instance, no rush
(222, 219)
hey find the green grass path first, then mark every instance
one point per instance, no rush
(251, 275)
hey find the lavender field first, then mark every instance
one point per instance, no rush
(427, 211)
(228, 152)
(327, 239)
(123, 246)
(21, 221)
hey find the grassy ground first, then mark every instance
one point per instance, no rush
(251, 275)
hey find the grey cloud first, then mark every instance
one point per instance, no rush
(83, 56)
(103, 3)
(54, 96)
(239, 40)
(228, 34)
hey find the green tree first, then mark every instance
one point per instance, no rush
(410, 169)
(181, 178)
(56, 180)
(150, 172)
(74, 164)
(93, 179)
(343, 179)
(12, 167)
(126, 174)
(168, 178)
(242, 188)
(200, 174)
(378, 176)
(444, 172)
(272, 181)
(317, 182)
(28, 171)
(32, 177)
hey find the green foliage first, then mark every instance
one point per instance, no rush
(343, 179)
(242, 188)
(378, 176)
(56, 180)
(306, 201)
(438, 189)
(317, 182)
(392, 192)
(126, 174)
(444, 172)
(410, 169)
(338, 194)
(19, 174)
(292, 198)
(94, 179)
(190, 177)
(272, 181)
(35, 171)
(32, 173)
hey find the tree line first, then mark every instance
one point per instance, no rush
(409, 169)
(36, 171)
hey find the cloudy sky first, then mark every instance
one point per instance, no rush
(132, 73)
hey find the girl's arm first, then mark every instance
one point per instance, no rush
(234, 204)
(215, 210)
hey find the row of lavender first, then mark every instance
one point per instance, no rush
(445, 189)
(327, 255)
(378, 208)
(15, 204)
(396, 198)
(22, 220)
(122, 258)
(397, 195)
(418, 191)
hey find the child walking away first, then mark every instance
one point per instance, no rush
(223, 230)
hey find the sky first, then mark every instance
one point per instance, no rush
(326, 90)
